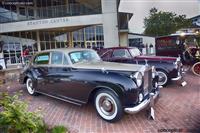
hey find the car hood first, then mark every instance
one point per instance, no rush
(102, 65)
(158, 58)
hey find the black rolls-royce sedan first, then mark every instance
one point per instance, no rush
(77, 75)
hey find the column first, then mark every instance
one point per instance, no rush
(35, 8)
(38, 40)
(70, 39)
(110, 22)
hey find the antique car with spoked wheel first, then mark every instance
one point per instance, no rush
(79, 75)
(185, 43)
(196, 66)
(168, 68)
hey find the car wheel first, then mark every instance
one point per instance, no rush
(29, 87)
(163, 78)
(1, 67)
(196, 68)
(108, 106)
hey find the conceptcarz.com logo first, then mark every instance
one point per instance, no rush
(183, 130)
(14, 2)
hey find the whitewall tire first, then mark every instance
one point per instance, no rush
(108, 106)
(163, 78)
(29, 87)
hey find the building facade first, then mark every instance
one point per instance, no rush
(196, 21)
(36, 25)
(145, 43)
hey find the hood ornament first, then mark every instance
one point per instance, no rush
(104, 70)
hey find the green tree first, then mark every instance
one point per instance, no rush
(163, 23)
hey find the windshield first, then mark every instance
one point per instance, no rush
(82, 56)
(135, 52)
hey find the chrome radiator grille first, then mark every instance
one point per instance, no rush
(147, 81)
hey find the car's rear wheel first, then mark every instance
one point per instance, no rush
(29, 87)
(108, 106)
(163, 78)
(196, 69)
(1, 67)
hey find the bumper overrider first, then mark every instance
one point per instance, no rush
(145, 103)
(179, 74)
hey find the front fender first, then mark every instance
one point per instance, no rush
(28, 74)
(123, 86)
(165, 67)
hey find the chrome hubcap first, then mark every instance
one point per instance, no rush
(162, 78)
(107, 106)
(30, 86)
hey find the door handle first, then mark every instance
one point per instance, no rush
(66, 69)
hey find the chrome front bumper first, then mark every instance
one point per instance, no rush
(142, 105)
(178, 77)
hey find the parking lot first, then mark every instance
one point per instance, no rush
(178, 109)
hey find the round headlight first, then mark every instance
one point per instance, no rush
(156, 85)
(176, 64)
(138, 78)
(140, 97)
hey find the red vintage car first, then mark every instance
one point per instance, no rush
(168, 68)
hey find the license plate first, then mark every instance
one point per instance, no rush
(152, 113)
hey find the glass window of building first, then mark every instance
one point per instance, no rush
(78, 38)
(44, 9)
(18, 45)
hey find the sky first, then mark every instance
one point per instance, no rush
(140, 10)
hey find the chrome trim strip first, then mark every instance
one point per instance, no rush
(62, 99)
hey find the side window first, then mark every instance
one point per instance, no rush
(65, 62)
(56, 58)
(42, 59)
(121, 53)
(106, 54)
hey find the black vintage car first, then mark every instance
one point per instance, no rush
(168, 68)
(78, 75)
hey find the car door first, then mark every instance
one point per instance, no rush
(40, 71)
(59, 74)
(63, 79)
